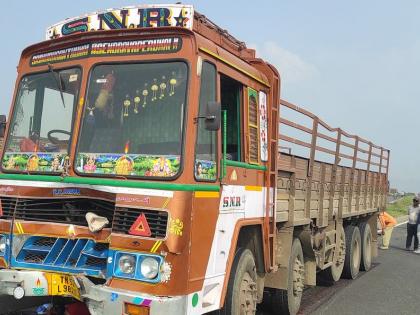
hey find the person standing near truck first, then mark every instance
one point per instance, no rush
(417, 251)
(387, 223)
(413, 212)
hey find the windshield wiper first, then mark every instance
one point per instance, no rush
(58, 81)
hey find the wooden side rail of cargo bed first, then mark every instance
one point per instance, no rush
(310, 189)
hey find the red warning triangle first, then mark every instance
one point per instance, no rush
(140, 227)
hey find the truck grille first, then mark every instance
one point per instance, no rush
(73, 211)
(125, 217)
(70, 211)
(66, 255)
(8, 206)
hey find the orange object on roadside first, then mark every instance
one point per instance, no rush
(387, 220)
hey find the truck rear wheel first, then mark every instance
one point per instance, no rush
(333, 273)
(353, 252)
(366, 234)
(241, 298)
(287, 302)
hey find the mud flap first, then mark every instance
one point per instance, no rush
(279, 279)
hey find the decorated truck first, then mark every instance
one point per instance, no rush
(149, 166)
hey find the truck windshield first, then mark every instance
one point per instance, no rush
(133, 120)
(40, 128)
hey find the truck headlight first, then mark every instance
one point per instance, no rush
(3, 241)
(127, 264)
(149, 267)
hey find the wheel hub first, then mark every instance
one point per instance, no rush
(341, 252)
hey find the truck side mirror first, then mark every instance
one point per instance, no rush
(213, 116)
(2, 125)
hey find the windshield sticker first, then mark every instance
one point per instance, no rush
(205, 170)
(113, 48)
(61, 55)
(136, 47)
(6, 189)
(66, 192)
(263, 126)
(128, 164)
(140, 16)
(73, 77)
(34, 162)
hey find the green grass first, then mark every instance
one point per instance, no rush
(400, 207)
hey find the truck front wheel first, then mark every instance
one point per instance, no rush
(288, 301)
(241, 298)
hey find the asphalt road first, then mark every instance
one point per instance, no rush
(392, 286)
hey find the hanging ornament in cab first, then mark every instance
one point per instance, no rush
(126, 104)
(154, 89)
(172, 83)
(145, 93)
(136, 102)
(162, 88)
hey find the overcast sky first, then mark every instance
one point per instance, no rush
(356, 64)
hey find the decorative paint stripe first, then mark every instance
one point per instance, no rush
(246, 165)
(110, 182)
(206, 194)
(142, 301)
(253, 188)
(147, 302)
(138, 300)
(234, 66)
(132, 191)
(61, 235)
(166, 203)
(2, 259)
(19, 227)
(155, 247)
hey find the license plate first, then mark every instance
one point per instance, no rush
(64, 285)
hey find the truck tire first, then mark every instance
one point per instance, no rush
(287, 302)
(366, 234)
(333, 274)
(241, 296)
(353, 252)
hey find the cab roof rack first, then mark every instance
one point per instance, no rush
(221, 37)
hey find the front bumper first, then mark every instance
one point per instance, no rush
(100, 299)
(105, 300)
